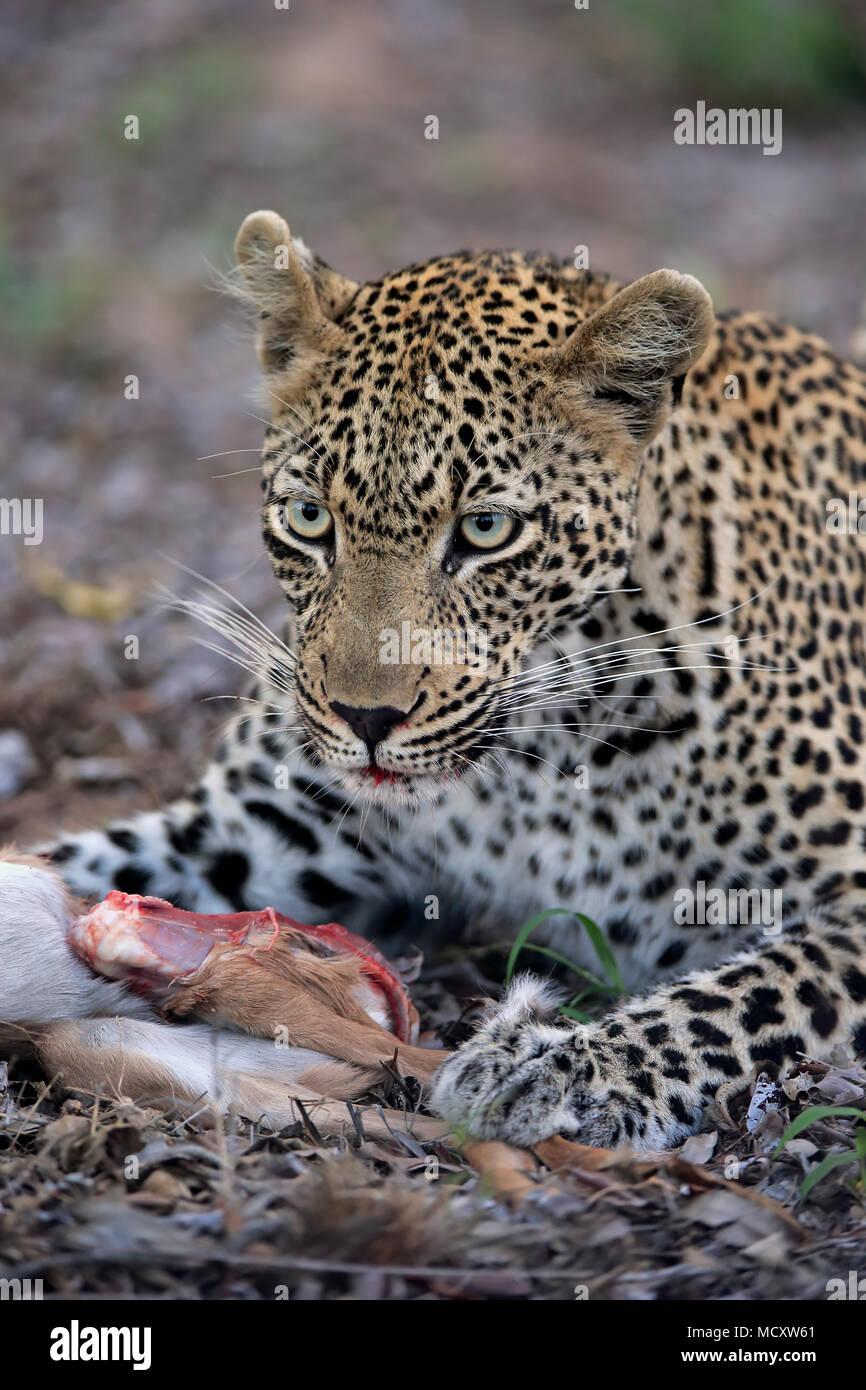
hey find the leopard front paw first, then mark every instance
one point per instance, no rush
(520, 1078)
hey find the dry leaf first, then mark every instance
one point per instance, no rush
(771, 1250)
(161, 1188)
(801, 1148)
(798, 1085)
(505, 1168)
(699, 1148)
(838, 1090)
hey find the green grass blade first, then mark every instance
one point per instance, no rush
(526, 931)
(577, 969)
(816, 1112)
(596, 936)
(603, 951)
(820, 1171)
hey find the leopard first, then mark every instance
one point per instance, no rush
(622, 509)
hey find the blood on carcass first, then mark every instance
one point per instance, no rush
(152, 946)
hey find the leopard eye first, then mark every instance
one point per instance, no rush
(309, 521)
(486, 530)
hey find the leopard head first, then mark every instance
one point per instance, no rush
(449, 478)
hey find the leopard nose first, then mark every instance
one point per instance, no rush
(371, 725)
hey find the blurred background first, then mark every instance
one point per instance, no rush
(555, 130)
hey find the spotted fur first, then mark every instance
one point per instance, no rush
(674, 688)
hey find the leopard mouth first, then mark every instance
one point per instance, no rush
(377, 779)
(402, 775)
(386, 787)
(384, 774)
(392, 777)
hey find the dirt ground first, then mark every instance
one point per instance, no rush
(555, 131)
(104, 1199)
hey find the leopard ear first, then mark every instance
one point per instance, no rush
(298, 297)
(632, 353)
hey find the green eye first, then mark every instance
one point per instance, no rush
(486, 530)
(309, 521)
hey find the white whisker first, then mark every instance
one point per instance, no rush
(661, 632)
(628, 675)
(224, 453)
(303, 420)
(577, 665)
(282, 429)
(224, 593)
(524, 753)
(578, 671)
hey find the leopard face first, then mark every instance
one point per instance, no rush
(449, 478)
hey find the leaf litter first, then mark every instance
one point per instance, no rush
(103, 1198)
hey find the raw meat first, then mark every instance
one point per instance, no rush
(155, 947)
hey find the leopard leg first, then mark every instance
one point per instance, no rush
(245, 837)
(642, 1075)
